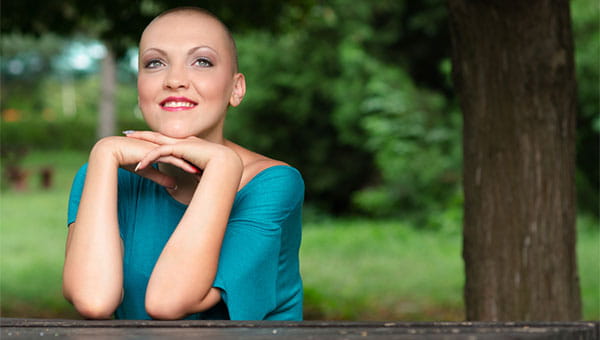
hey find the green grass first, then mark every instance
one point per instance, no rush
(588, 261)
(368, 270)
(33, 232)
(377, 270)
(353, 269)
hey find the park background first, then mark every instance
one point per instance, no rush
(355, 94)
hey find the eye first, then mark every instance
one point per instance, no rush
(203, 62)
(153, 63)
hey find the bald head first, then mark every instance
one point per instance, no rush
(196, 13)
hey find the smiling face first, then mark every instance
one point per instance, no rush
(187, 75)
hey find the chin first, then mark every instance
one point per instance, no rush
(186, 129)
(177, 134)
(175, 131)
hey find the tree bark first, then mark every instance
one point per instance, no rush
(513, 72)
(106, 116)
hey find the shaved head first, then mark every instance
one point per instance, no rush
(201, 13)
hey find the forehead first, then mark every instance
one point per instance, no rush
(185, 29)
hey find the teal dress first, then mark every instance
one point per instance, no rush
(258, 272)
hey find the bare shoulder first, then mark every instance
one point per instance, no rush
(253, 162)
(255, 166)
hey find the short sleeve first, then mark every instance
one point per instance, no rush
(75, 196)
(251, 263)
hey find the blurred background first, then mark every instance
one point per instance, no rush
(356, 94)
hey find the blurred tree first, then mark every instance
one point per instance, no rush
(118, 24)
(586, 29)
(24, 59)
(364, 127)
(308, 90)
(514, 74)
(359, 85)
(98, 19)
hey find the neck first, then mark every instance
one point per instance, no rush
(214, 135)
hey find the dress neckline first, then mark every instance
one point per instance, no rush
(239, 192)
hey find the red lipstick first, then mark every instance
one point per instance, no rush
(177, 104)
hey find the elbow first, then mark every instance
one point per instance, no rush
(164, 309)
(95, 309)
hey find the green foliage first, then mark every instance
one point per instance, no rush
(119, 23)
(288, 113)
(586, 30)
(25, 136)
(357, 96)
(42, 121)
(416, 144)
(361, 125)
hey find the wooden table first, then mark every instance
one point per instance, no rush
(318, 330)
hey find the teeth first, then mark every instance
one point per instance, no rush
(178, 104)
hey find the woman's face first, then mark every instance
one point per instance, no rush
(187, 76)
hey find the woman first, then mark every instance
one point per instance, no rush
(179, 222)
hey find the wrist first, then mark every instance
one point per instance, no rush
(105, 151)
(226, 158)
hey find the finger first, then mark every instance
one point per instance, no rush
(151, 136)
(180, 163)
(153, 155)
(165, 154)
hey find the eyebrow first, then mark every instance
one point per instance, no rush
(190, 52)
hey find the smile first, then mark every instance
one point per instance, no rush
(177, 103)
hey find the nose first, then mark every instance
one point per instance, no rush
(176, 78)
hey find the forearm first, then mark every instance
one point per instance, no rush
(93, 271)
(184, 274)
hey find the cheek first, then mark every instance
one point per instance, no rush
(215, 87)
(145, 89)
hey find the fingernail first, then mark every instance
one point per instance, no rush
(174, 187)
(126, 132)
(137, 167)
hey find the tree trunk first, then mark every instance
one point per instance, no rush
(513, 71)
(106, 116)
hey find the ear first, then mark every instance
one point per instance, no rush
(239, 89)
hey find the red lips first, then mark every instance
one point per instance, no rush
(177, 104)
